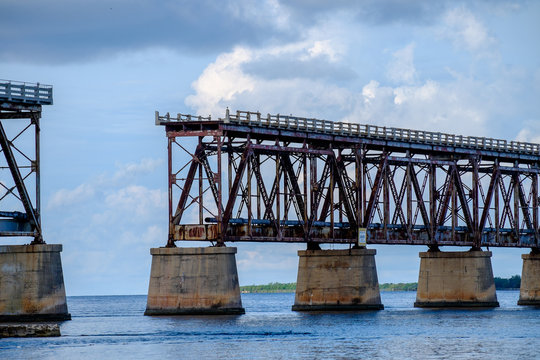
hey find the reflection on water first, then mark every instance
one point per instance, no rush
(114, 327)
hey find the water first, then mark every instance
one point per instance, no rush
(114, 327)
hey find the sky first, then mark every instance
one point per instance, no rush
(464, 67)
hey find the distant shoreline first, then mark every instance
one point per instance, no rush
(511, 283)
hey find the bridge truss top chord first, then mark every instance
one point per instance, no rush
(291, 179)
(20, 113)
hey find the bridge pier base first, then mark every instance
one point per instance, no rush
(456, 279)
(337, 280)
(194, 281)
(529, 291)
(32, 283)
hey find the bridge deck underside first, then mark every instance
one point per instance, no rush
(248, 182)
(376, 235)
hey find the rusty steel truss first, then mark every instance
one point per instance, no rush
(20, 113)
(289, 179)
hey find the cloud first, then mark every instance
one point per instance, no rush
(370, 11)
(84, 30)
(401, 69)
(289, 75)
(467, 32)
(530, 133)
(145, 166)
(67, 197)
(137, 201)
(435, 106)
(102, 183)
(240, 80)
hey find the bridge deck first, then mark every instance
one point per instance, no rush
(315, 129)
(16, 92)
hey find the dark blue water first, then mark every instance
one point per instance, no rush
(114, 327)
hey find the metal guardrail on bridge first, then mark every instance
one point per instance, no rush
(23, 92)
(372, 131)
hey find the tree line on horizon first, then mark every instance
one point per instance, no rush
(275, 287)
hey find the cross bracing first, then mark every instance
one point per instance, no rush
(290, 179)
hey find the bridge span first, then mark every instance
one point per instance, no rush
(290, 179)
(282, 178)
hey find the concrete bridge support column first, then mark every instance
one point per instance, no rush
(32, 283)
(456, 279)
(337, 280)
(194, 281)
(529, 291)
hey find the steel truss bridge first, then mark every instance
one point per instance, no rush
(20, 113)
(282, 178)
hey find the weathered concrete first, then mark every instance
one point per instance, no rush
(193, 281)
(32, 283)
(29, 330)
(456, 279)
(337, 280)
(529, 291)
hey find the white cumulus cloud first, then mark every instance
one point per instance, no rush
(466, 31)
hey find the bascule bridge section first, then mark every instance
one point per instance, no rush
(31, 277)
(276, 178)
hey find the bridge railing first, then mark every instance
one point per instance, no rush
(15, 91)
(371, 131)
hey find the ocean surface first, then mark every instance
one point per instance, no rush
(114, 327)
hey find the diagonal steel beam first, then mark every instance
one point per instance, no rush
(187, 185)
(420, 202)
(19, 183)
(293, 183)
(375, 191)
(234, 190)
(463, 199)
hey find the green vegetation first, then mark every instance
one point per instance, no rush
(275, 287)
(505, 284)
(269, 288)
(398, 287)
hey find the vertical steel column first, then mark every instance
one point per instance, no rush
(277, 195)
(496, 194)
(386, 195)
(170, 240)
(534, 191)
(201, 201)
(37, 169)
(358, 185)
(409, 192)
(432, 200)
(220, 140)
(248, 202)
(258, 198)
(476, 206)
(453, 213)
(306, 206)
(515, 178)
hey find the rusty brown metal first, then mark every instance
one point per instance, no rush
(20, 191)
(290, 179)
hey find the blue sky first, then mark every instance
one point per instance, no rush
(469, 68)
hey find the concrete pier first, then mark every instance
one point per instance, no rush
(456, 279)
(529, 291)
(194, 281)
(337, 280)
(32, 283)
